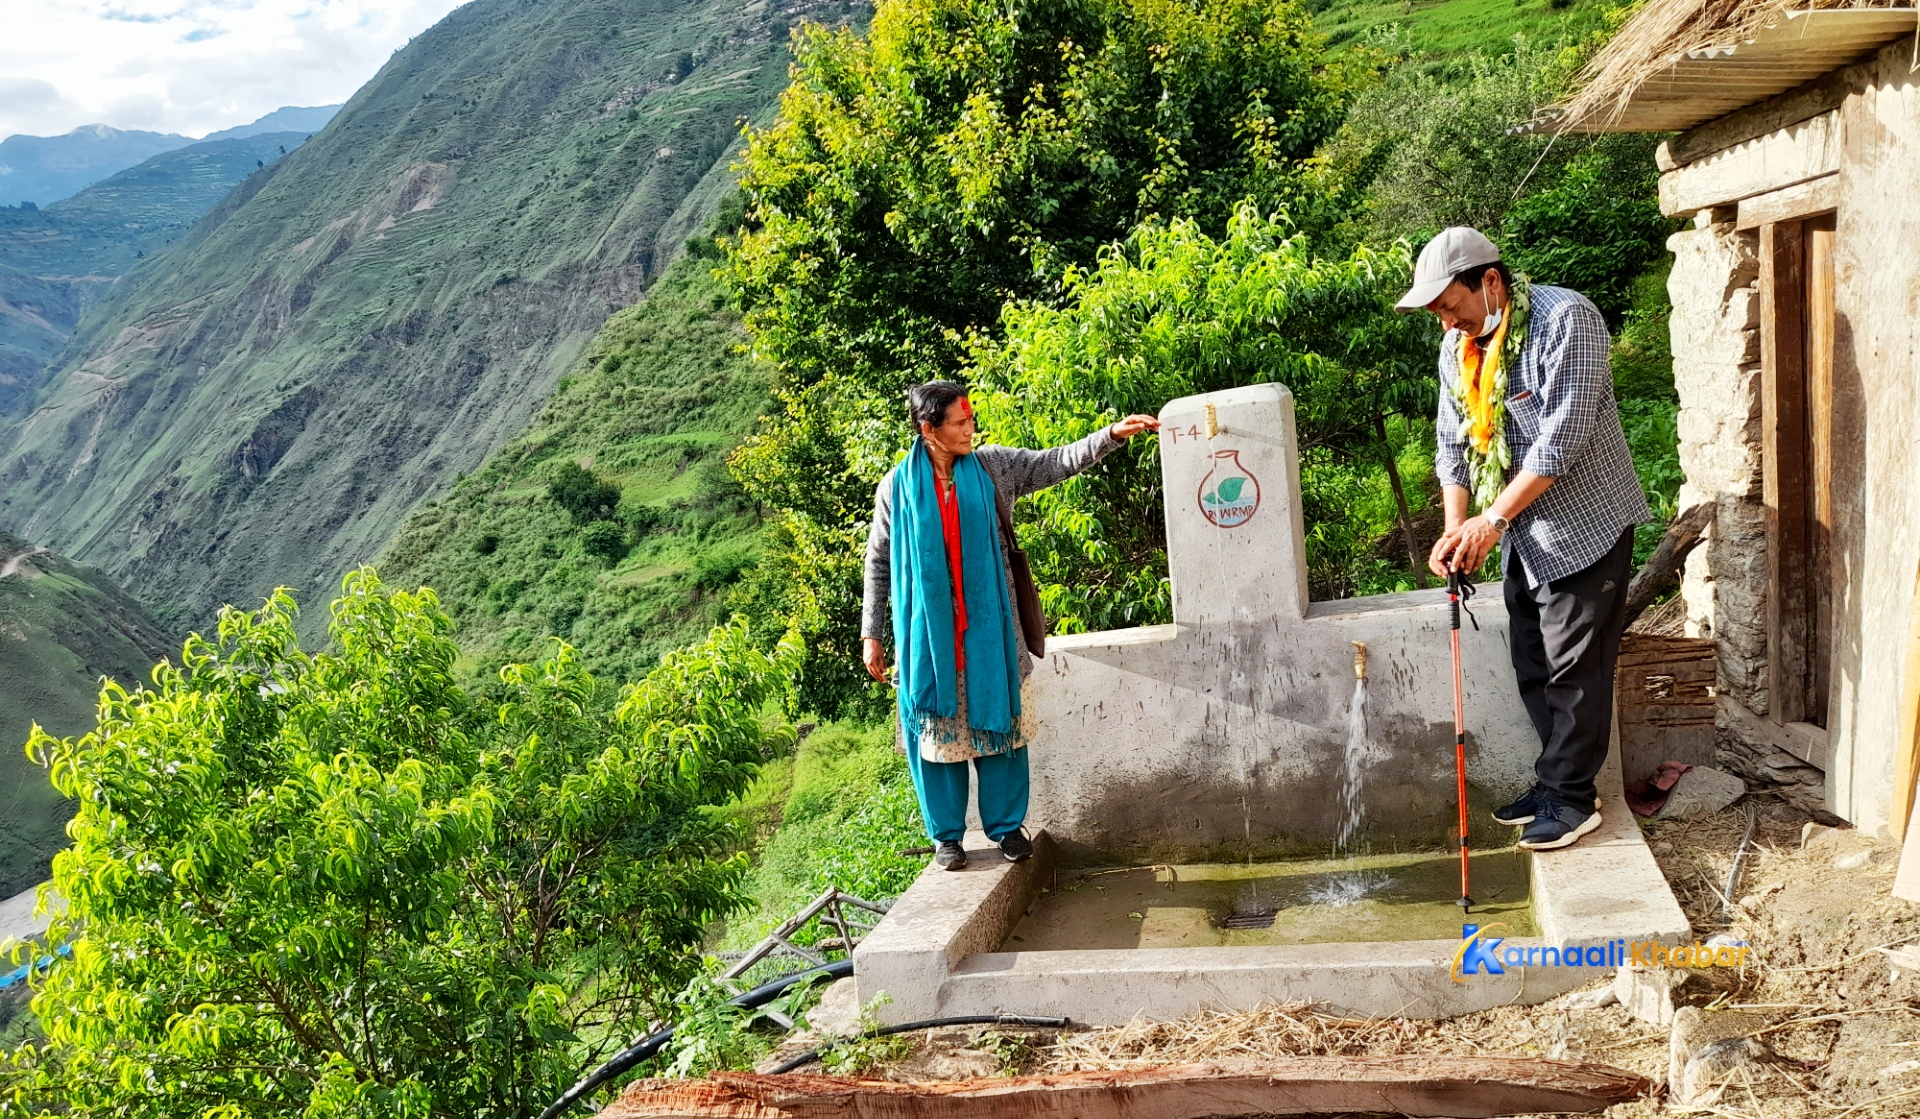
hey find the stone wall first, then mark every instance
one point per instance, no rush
(1716, 370)
(1870, 146)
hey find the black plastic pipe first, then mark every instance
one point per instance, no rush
(812, 1055)
(653, 1043)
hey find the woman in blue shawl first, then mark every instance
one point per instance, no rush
(937, 571)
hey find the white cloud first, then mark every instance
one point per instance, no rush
(191, 66)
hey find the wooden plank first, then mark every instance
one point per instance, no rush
(1664, 702)
(1802, 200)
(1808, 743)
(1783, 458)
(1817, 258)
(1422, 1086)
(1802, 151)
(1906, 750)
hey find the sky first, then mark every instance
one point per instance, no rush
(191, 66)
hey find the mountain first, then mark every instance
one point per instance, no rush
(43, 169)
(58, 260)
(653, 406)
(62, 627)
(361, 322)
(287, 118)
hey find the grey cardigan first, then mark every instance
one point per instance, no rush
(1016, 472)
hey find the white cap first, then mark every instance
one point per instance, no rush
(1452, 252)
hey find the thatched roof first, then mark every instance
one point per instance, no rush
(1677, 63)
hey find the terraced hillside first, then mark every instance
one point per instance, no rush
(367, 319)
(58, 260)
(62, 627)
(43, 169)
(652, 408)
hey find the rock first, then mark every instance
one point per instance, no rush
(1647, 992)
(1892, 1072)
(1591, 1000)
(1662, 850)
(1707, 1050)
(1905, 958)
(838, 1012)
(1702, 791)
(1854, 860)
(1812, 833)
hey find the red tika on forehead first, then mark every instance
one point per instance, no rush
(966, 408)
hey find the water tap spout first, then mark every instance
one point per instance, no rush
(1359, 660)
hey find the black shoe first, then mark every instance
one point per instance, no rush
(948, 855)
(1522, 810)
(1557, 824)
(1016, 846)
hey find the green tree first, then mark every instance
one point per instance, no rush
(604, 539)
(959, 155)
(1446, 149)
(1591, 230)
(1172, 313)
(585, 496)
(332, 884)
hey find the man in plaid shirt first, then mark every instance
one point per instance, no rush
(1565, 514)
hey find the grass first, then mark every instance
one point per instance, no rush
(836, 814)
(660, 397)
(1436, 30)
(62, 627)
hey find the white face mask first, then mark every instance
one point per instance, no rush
(1492, 321)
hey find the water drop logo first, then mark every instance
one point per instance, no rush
(1229, 494)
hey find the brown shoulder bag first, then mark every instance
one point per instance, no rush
(1026, 596)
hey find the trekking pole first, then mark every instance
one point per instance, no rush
(1457, 589)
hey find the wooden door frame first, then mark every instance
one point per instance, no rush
(1786, 469)
(1783, 474)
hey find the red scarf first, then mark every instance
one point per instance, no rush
(950, 529)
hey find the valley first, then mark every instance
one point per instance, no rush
(62, 627)
(366, 319)
(58, 260)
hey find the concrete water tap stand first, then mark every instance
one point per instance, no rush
(1220, 736)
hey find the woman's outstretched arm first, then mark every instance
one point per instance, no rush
(1019, 471)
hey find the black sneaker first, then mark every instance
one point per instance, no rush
(948, 855)
(1557, 824)
(1521, 811)
(1016, 846)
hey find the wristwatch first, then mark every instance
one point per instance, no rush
(1499, 523)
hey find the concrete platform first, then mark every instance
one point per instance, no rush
(1224, 736)
(937, 952)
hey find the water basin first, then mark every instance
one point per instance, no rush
(1403, 897)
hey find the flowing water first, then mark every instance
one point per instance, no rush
(1353, 884)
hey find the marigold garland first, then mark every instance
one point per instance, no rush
(1480, 395)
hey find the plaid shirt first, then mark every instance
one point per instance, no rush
(1562, 423)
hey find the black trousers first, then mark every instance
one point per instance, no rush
(1566, 638)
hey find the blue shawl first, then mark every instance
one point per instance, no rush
(922, 593)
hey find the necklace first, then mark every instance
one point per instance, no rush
(1480, 394)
